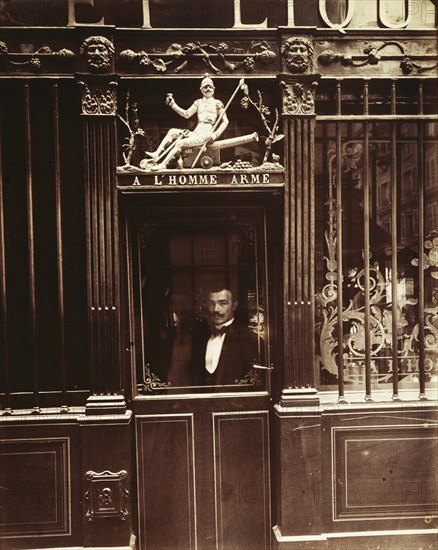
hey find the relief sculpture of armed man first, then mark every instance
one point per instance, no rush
(201, 146)
(212, 121)
(206, 144)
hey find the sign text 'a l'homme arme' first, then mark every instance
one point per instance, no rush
(201, 179)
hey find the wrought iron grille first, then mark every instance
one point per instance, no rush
(377, 237)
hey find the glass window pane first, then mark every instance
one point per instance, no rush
(394, 227)
(192, 278)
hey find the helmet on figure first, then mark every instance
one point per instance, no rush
(206, 81)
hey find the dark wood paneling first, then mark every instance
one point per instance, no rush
(242, 480)
(298, 472)
(35, 486)
(106, 472)
(166, 481)
(384, 471)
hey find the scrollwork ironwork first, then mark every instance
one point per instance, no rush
(381, 338)
(251, 378)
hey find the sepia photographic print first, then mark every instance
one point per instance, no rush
(218, 274)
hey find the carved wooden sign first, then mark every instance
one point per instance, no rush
(192, 158)
(195, 180)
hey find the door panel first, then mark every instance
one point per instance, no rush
(203, 474)
(242, 479)
(165, 452)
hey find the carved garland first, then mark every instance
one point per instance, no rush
(179, 56)
(372, 56)
(33, 59)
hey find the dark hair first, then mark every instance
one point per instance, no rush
(219, 287)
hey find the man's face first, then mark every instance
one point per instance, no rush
(207, 90)
(221, 307)
(98, 56)
(297, 56)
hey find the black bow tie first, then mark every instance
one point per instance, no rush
(218, 331)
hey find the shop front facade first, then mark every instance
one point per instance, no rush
(171, 167)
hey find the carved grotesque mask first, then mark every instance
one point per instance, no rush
(98, 52)
(297, 53)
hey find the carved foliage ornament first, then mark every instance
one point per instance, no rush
(97, 100)
(298, 99)
(33, 59)
(98, 52)
(372, 56)
(217, 57)
(107, 494)
(297, 54)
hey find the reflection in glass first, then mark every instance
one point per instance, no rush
(393, 168)
(195, 277)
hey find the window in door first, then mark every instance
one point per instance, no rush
(199, 301)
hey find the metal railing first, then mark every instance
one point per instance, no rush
(382, 336)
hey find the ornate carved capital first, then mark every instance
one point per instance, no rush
(99, 97)
(298, 97)
(98, 52)
(107, 495)
(297, 54)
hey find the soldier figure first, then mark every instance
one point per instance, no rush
(212, 121)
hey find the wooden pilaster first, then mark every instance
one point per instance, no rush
(99, 106)
(298, 127)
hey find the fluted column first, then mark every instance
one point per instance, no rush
(99, 105)
(298, 94)
(297, 414)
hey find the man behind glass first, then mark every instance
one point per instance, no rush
(224, 351)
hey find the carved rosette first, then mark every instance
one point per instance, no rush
(298, 98)
(99, 98)
(297, 55)
(107, 494)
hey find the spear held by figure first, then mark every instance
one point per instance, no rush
(240, 86)
(212, 122)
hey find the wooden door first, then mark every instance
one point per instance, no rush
(202, 443)
(204, 474)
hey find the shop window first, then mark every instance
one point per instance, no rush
(376, 278)
(192, 273)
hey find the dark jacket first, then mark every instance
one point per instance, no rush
(239, 353)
